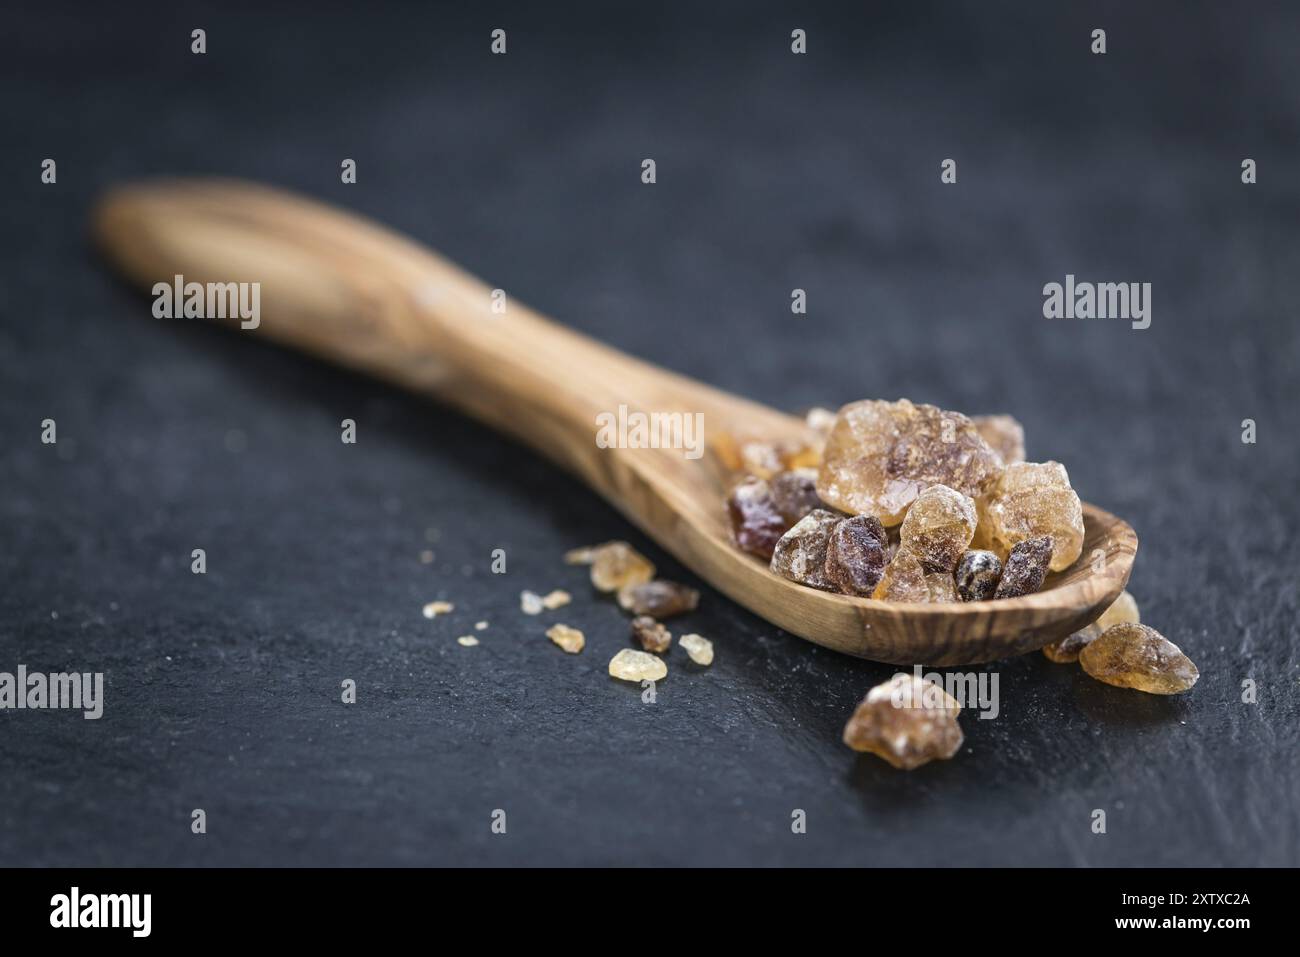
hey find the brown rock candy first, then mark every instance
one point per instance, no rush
(907, 721)
(658, 598)
(760, 459)
(906, 580)
(1129, 655)
(1004, 435)
(1032, 499)
(1025, 568)
(651, 635)
(856, 555)
(1123, 609)
(756, 523)
(977, 576)
(881, 455)
(800, 555)
(629, 665)
(938, 527)
(794, 493)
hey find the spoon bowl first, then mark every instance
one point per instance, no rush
(343, 288)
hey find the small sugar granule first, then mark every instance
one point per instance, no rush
(658, 598)
(618, 564)
(556, 599)
(629, 665)
(651, 635)
(530, 603)
(570, 639)
(698, 648)
(435, 608)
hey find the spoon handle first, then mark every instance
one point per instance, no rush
(346, 289)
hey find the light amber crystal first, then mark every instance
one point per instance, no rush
(938, 527)
(629, 665)
(1130, 655)
(1032, 499)
(908, 721)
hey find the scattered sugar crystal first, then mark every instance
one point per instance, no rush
(1131, 655)
(469, 641)
(658, 598)
(699, 648)
(618, 564)
(435, 608)
(570, 639)
(556, 599)
(480, 625)
(530, 603)
(629, 665)
(651, 635)
(908, 721)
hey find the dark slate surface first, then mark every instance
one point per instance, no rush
(775, 171)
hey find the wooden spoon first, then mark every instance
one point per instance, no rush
(353, 292)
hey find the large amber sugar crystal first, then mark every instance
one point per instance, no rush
(908, 721)
(1130, 655)
(1032, 499)
(939, 527)
(907, 579)
(881, 455)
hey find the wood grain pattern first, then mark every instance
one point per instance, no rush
(350, 291)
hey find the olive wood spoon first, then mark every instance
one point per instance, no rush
(343, 288)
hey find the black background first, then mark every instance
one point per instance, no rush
(775, 171)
